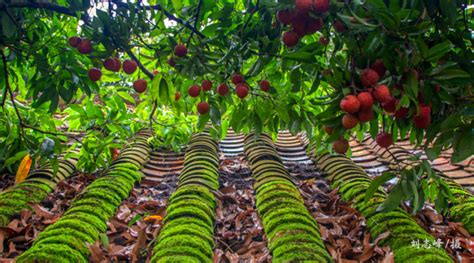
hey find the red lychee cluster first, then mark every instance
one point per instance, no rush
(302, 23)
(358, 109)
(84, 46)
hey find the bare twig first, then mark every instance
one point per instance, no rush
(196, 19)
(250, 18)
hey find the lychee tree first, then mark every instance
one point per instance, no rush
(333, 69)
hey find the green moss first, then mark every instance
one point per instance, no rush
(184, 241)
(37, 189)
(349, 185)
(77, 225)
(87, 206)
(69, 241)
(47, 233)
(392, 224)
(97, 204)
(280, 211)
(188, 211)
(271, 223)
(185, 230)
(315, 251)
(286, 228)
(118, 186)
(202, 157)
(90, 219)
(196, 203)
(382, 217)
(14, 204)
(200, 191)
(175, 259)
(191, 223)
(198, 181)
(271, 174)
(291, 190)
(102, 194)
(199, 167)
(201, 175)
(4, 220)
(279, 195)
(275, 185)
(293, 238)
(51, 253)
(8, 211)
(279, 202)
(400, 240)
(419, 254)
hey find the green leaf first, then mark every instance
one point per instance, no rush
(451, 74)
(126, 96)
(376, 183)
(8, 26)
(393, 199)
(463, 146)
(439, 50)
(18, 156)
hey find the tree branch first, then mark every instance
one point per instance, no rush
(7, 83)
(170, 16)
(196, 19)
(43, 5)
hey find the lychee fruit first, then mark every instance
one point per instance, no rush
(290, 38)
(180, 50)
(349, 121)
(382, 94)
(341, 146)
(112, 64)
(171, 62)
(206, 85)
(304, 6)
(84, 46)
(366, 101)
(339, 26)
(264, 85)
(369, 77)
(350, 104)
(299, 24)
(323, 40)
(365, 115)
(401, 113)
(177, 95)
(139, 85)
(237, 78)
(423, 119)
(194, 91)
(328, 129)
(94, 74)
(390, 106)
(241, 90)
(379, 67)
(285, 16)
(129, 66)
(222, 89)
(74, 41)
(384, 139)
(321, 6)
(155, 72)
(313, 25)
(203, 107)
